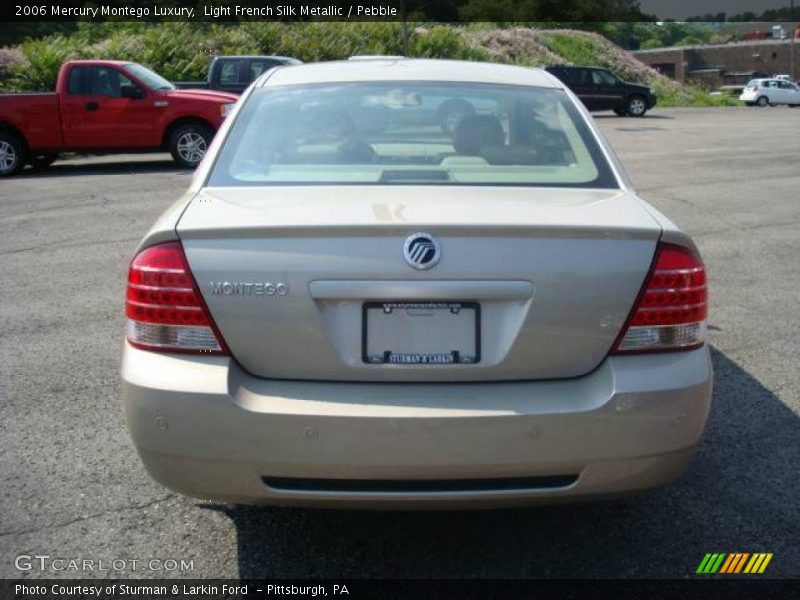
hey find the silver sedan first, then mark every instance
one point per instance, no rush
(413, 283)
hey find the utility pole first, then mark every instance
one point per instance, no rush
(403, 16)
(793, 32)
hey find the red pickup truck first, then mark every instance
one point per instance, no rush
(108, 106)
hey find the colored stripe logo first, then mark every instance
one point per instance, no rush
(734, 562)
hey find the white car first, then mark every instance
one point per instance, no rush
(770, 92)
(412, 316)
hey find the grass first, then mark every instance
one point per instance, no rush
(181, 51)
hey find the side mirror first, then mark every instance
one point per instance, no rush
(132, 92)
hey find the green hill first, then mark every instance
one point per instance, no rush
(181, 51)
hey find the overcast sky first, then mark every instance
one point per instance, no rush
(681, 9)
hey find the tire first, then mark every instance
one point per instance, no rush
(13, 154)
(451, 112)
(637, 106)
(762, 101)
(41, 161)
(620, 112)
(188, 144)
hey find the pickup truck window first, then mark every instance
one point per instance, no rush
(228, 73)
(79, 83)
(96, 81)
(257, 67)
(152, 80)
(108, 82)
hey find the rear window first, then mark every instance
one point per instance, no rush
(79, 82)
(228, 72)
(410, 133)
(257, 67)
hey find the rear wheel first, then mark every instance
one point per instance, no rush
(40, 161)
(12, 154)
(637, 106)
(762, 101)
(188, 144)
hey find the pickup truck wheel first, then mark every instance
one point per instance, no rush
(40, 161)
(188, 144)
(12, 154)
(637, 106)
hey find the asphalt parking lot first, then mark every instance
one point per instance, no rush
(72, 486)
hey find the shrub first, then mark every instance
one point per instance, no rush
(181, 51)
(443, 41)
(41, 60)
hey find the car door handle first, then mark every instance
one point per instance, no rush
(91, 106)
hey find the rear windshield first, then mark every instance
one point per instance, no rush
(410, 133)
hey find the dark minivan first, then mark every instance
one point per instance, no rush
(234, 73)
(600, 89)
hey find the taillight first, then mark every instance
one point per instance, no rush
(163, 308)
(671, 310)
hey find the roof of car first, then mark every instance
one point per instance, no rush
(97, 61)
(403, 69)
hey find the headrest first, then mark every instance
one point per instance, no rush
(476, 131)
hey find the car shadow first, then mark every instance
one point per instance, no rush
(739, 495)
(73, 168)
(647, 117)
(635, 129)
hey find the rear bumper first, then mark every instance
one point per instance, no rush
(205, 428)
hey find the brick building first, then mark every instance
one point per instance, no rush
(725, 64)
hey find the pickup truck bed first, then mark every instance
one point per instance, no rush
(40, 111)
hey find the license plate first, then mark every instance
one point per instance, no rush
(421, 333)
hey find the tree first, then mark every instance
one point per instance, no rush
(562, 11)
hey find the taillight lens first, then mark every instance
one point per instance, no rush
(163, 308)
(671, 311)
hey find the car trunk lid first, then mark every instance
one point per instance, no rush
(312, 283)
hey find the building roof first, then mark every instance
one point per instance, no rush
(754, 43)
